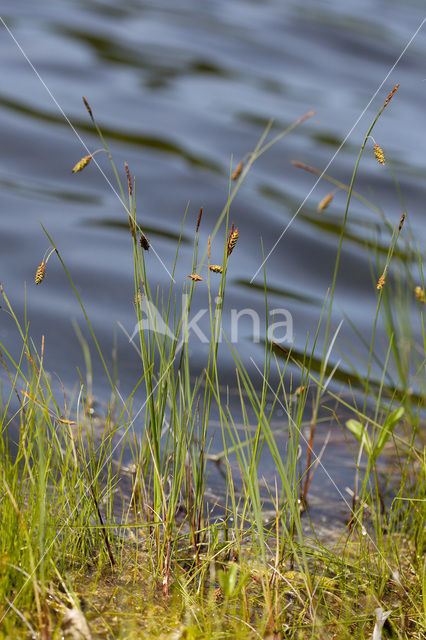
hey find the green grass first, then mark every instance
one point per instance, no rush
(132, 550)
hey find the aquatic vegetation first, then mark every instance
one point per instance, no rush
(106, 528)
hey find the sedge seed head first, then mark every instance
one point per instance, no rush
(325, 202)
(304, 166)
(237, 171)
(81, 164)
(378, 154)
(232, 239)
(40, 273)
(87, 105)
(420, 294)
(381, 283)
(216, 268)
(390, 95)
(401, 222)
(195, 277)
(129, 179)
(144, 242)
(200, 215)
(305, 117)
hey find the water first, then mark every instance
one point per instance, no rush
(178, 91)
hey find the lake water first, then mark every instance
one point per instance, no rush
(180, 89)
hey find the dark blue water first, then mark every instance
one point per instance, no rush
(180, 89)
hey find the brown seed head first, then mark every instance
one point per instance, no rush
(401, 222)
(40, 273)
(237, 171)
(231, 231)
(81, 164)
(232, 239)
(381, 282)
(195, 277)
(420, 294)
(216, 268)
(129, 179)
(144, 242)
(87, 105)
(305, 117)
(304, 166)
(390, 96)
(200, 215)
(378, 154)
(325, 202)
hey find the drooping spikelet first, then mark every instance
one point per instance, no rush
(232, 239)
(378, 154)
(81, 164)
(41, 269)
(381, 282)
(325, 202)
(237, 171)
(420, 294)
(401, 222)
(195, 277)
(144, 242)
(216, 268)
(85, 161)
(40, 273)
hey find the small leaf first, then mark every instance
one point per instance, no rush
(356, 428)
(228, 580)
(360, 433)
(389, 425)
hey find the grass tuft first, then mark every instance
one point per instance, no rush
(108, 530)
